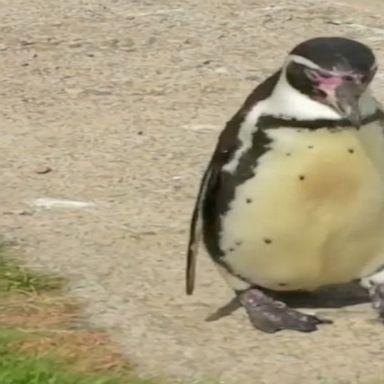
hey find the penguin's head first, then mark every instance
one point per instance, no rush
(334, 71)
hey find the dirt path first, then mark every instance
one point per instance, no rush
(124, 100)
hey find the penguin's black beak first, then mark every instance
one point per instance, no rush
(347, 96)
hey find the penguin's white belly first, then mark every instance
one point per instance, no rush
(313, 214)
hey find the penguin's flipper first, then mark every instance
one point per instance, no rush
(195, 233)
(225, 147)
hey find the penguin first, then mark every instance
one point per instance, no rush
(293, 196)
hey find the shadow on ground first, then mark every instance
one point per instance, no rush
(337, 296)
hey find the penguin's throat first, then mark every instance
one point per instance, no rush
(289, 102)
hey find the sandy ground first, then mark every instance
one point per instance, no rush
(123, 100)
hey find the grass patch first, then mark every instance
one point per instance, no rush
(46, 358)
(14, 277)
(44, 338)
(23, 368)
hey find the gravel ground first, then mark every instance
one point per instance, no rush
(119, 103)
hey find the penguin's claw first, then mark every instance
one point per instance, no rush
(225, 310)
(271, 316)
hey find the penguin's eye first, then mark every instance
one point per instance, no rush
(348, 78)
(324, 75)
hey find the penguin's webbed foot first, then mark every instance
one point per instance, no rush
(269, 315)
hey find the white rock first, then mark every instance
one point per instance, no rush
(46, 202)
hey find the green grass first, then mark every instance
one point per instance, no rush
(14, 277)
(22, 368)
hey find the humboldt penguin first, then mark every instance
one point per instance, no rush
(293, 196)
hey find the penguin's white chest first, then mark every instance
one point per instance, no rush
(313, 214)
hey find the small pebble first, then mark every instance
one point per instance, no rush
(43, 170)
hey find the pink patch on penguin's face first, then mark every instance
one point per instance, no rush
(330, 83)
(326, 82)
